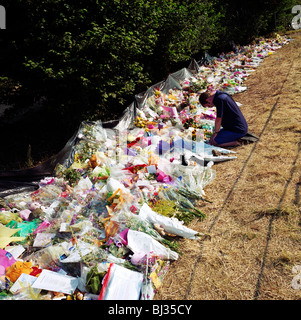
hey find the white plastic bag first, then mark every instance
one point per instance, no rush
(170, 225)
(142, 242)
(113, 185)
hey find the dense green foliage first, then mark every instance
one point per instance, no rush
(245, 20)
(89, 58)
(93, 56)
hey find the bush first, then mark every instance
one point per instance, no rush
(91, 57)
(245, 21)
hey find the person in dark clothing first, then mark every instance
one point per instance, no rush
(230, 124)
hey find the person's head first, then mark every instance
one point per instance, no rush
(206, 99)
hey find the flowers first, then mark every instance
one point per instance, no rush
(197, 85)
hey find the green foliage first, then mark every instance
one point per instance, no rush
(69, 174)
(94, 279)
(244, 21)
(185, 28)
(90, 57)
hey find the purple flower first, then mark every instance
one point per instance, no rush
(118, 244)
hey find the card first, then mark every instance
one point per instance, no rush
(53, 281)
(25, 280)
(151, 169)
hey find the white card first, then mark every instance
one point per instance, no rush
(16, 251)
(25, 280)
(151, 169)
(53, 281)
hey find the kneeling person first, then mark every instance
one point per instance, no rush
(230, 124)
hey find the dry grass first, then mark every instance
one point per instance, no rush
(254, 220)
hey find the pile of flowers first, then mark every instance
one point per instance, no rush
(98, 215)
(115, 213)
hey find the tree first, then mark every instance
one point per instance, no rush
(91, 57)
(185, 29)
(244, 21)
